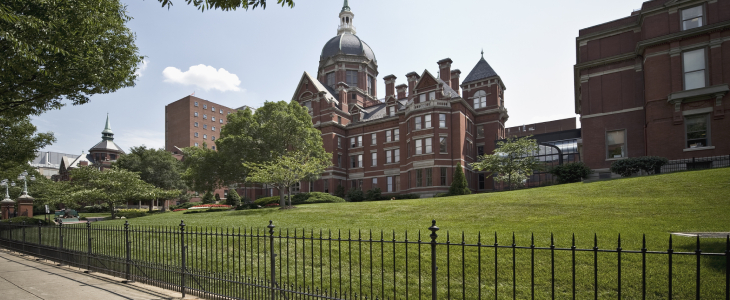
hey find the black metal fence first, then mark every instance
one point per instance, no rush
(266, 263)
(696, 163)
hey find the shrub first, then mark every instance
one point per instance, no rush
(300, 198)
(625, 167)
(179, 209)
(340, 191)
(271, 205)
(27, 220)
(233, 198)
(355, 195)
(214, 209)
(458, 184)
(406, 196)
(438, 195)
(373, 195)
(266, 200)
(131, 213)
(317, 197)
(208, 198)
(184, 205)
(96, 208)
(651, 164)
(571, 172)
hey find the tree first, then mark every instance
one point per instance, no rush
(113, 186)
(51, 51)
(286, 171)
(513, 161)
(202, 168)
(155, 166)
(207, 198)
(226, 5)
(340, 191)
(19, 141)
(264, 136)
(459, 186)
(233, 198)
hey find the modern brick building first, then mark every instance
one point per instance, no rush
(191, 121)
(655, 83)
(411, 139)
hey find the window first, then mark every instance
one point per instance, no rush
(694, 69)
(418, 123)
(339, 120)
(428, 121)
(442, 145)
(419, 178)
(442, 120)
(213, 128)
(443, 176)
(212, 119)
(311, 186)
(339, 160)
(375, 183)
(196, 103)
(331, 79)
(212, 138)
(205, 126)
(429, 177)
(196, 134)
(697, 131)
(308, 105)
(480, 150)
(388, 157)
(616, 144)
(195, 124)
(354, 96)
(212, 108)
(396, 134)
(391, 111)
(205, 136)
(429, 149)
(295, 188)
(388, 137)
(408, 146)
(351, 78)
(359, 183)
(358, 161)
(221, 111)
(356, 142)
(196, 144)
(422, 98)
(213, 147)
(205, 106)
(480, 99)
(389, 179)
(432, 96)
(196, 114)
(480, 131)
(371, 84)
(221, 121)
(373, 139)
(692, 18)
(339, 142)
(481, 181)
(419, 148)
(353, 161)
(396, 153)
(374, 158)
(205, 117)
(326, 186)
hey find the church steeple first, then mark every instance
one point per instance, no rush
(107, 134)
(346, 17)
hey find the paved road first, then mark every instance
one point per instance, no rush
(23, 278)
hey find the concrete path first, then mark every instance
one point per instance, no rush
(24, 278)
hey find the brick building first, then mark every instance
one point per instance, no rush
(411, 139)
(101, 155)
(191, 121)
(655, 83)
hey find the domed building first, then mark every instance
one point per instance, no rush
(409, 140)
(101, 155)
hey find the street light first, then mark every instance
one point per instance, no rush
(4, 183)
(24, 177)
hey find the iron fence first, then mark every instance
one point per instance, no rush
(266, 263)
(696, 163)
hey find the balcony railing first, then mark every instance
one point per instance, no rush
(431, 103)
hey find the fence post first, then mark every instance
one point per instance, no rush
(434, 268)
(60, 242)
(22, 228)
(88, 254)
(273, 260)
(40, 242)
(182, 249)
(128, 268)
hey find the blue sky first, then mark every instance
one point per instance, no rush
(262, 54)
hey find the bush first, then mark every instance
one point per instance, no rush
(233, 198)
(208, 198)
(266, 200)
(217, 198)
(300, 198)
(184, 205)
(459, 185)
(198, 211)
(625, 167)
(131, 213)
(27, 220)
(438, 195)
(355, 195)
(373, 195)
(651, 164)
(631, 166)
(571, 172)
(317, 197)
(406, 196)
(96, 208)
(340, 191)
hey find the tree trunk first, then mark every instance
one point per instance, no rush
(114, 215)
(282, 204)
(290, 204)
(152, 202)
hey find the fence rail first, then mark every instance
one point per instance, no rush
(266, 263)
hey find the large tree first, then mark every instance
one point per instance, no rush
(154, 166)
(51, 51)
(287, 170)
(224, 5)
(19, 142)
(513, 161)
(202, 168)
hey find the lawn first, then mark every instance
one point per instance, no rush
(653, 205)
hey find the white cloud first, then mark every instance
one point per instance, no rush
(141, 68)
(205, 77)
(138, 137)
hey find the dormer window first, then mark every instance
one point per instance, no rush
(422, 98)
(432, 96)
(480, 99)
(391, 111)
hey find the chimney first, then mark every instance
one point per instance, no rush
(344, 99)
(401, 91)
(412, 79)
(445, 70)
(389, 85)
(455, 80)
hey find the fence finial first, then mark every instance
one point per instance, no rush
(271, 227)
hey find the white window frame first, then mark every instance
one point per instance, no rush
(195, 124)
(443, 145)
(708, 130)
(391, 111)
(419, 147)
(388, 136)
(374, 159)
(480, 99)
(442, 120)
(624, 149)
(388, 157)
(704, 71)
(396, 134)
(422, 98)
(373, 139)
(196, 103)
(418, 123)
(427, 123)
(396, 155)
(429, 146)
(702, 17)
(389, 179)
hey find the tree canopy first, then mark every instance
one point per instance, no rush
(459, 186)
(513, 161)
(155, 166)
(55, 51)
(286, 171)
(202, 168)
(225, 5)
(19, 142)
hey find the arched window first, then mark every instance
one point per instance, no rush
(480, 99)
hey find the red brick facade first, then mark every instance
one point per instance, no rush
(661, 77)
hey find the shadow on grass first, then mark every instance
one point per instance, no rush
(709, 245)
(257, 212)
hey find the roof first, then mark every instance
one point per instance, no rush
(379, 111)
(75, 162)
(349, 44)
(481, 71)
(106, 145)
(49, 159)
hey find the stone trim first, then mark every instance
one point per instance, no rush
(613, 112)
(699, 94)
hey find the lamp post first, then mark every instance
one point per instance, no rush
(7, 205)
(24, 177)
(25, 201)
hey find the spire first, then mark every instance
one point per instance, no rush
(345, 7)
(107, 134)
(346, 17)
(482, 53)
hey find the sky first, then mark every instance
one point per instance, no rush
(237, 58)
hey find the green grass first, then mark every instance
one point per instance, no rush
(655, 206)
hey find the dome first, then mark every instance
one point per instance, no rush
(349, 44)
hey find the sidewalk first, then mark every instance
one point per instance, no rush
(24, 278)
